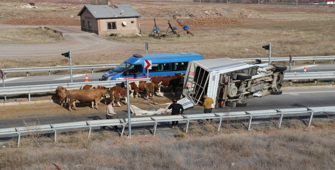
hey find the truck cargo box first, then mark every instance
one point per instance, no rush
(230, 82)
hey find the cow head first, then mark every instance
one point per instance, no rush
(179, 74)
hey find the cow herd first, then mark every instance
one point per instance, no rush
(96, 93)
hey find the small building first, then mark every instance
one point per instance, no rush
(120, 19)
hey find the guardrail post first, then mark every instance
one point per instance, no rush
(155, 128)
(19, 139)
(250, 120)
(314, 62)
(49, 72)
(220, 124)
(311, 117)
(89, 131)
(92, 70)
(280, 119)
(29, 97)
(187, 124)
(27, 74)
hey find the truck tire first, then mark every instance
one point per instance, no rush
(277, 92)
(280, 68)
(280, 78)
(243, 76)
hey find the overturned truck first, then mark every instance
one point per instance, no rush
(230, 82)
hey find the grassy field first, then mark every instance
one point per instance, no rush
(202, 148)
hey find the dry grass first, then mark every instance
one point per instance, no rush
(29, 36)
(300, 31)
(275, 149)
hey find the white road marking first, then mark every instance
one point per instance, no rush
(12, 79)
(67, 77)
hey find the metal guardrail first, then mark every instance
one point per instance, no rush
(306, 58)
(45, 88)
(108, 66)
(57, 68)
(15, 90)
(53, 128)
(309, 75)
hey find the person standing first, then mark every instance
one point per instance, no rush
(177, 109)
(110, 113)
(208, 102)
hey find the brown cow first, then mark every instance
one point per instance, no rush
(90, 95)
(61, 93)
(145, 86)
(116, 93)
(87, 86)
(167, 81)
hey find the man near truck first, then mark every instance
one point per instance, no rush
(208, 102)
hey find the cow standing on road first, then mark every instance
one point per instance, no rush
(61, 93)
(167, 81)
(91, 95)
(147, 86)
(87, 86)
(117, 92)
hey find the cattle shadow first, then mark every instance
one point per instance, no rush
(55, 99)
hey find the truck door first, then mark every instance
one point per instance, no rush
(199, 84)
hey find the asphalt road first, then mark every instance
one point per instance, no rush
(54, 79)
(291, 98)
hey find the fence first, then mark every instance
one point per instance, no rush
(45, 88)
(15, 90)
(309, 75)
(58, 68)
(109, 66)
(155, 120)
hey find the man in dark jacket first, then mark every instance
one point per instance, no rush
(177, 109)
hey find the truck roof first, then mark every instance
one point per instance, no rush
(222, 65)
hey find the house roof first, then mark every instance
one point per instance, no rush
(112, 11)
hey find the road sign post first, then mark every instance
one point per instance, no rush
(128, 110)
(146, 47)
(69, 55)
(147, 65)
(268, 47)
(290, 70)
(3, 77)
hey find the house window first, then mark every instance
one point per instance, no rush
(111, 25)
(83, 23)
(132, 22)
(89, 25)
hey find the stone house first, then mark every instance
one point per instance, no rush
(120, 19)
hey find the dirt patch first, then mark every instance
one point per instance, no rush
(222, 21)
(59, 21)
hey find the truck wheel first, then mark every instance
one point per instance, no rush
(231, 104)
(280, 68)
(277, 92)
(243, 76)
(280, 78)
(241, 104)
